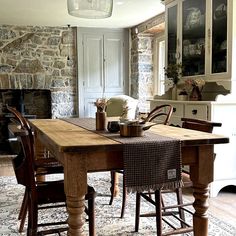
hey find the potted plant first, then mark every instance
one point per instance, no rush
(174, 73)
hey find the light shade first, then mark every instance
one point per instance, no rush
(92, 9)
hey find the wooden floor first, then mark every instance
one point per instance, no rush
(223, 206)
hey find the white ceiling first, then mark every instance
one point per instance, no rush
(54, 13)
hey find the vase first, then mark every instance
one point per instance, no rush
(174, 92)
(101, 120)
(195, 94)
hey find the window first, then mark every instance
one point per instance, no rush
(159, 64)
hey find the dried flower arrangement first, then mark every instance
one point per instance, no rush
(199, 82)
(101, 104)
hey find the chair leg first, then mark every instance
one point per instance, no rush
(114, 186)
(158, 212)
(137, 211)
(23, 211)
(112, 189)
(91, 215)
(32, 217)
(124, 197)
(179, 196)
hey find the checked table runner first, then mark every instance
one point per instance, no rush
(151, 162)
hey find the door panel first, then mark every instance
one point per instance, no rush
(113, 47)
(93, 64)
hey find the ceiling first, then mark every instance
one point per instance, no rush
(126, 13)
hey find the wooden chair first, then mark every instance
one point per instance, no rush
(45, 164)
(179, 208)
(38, 193)
(160, 114)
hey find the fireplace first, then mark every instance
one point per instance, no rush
(32, 103)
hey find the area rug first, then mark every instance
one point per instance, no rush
(108, 221)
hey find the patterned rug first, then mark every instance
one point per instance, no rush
(108, 221)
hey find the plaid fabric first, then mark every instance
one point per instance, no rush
(150, 162)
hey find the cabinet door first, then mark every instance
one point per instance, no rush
(219, 36)
(193, 37)
(172, 12)
(93, 70)
(113, 63)
(101, 67)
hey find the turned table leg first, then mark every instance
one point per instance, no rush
(201, 175)
(75, 208)
(200, 217)
(75, 182)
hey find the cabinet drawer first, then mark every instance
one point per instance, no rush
(178, 110)
(196, 111)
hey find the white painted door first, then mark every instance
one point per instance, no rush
(101, 67)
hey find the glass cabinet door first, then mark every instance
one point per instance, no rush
(193, 37)
(219, 36)
(172, 34)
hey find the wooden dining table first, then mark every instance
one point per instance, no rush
(81, 151)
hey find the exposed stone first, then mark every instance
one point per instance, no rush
(39, 81)
(26, 53)
(142, 69)
(49, 53)
(5, 68)
(37, 40)
(70, 62)
(56, 73)
(4, 81)
(21, 81)
(59, 64)
(11, 62)
(145, 68)
(47, 63)
(67, 37)
(48, 82)
(17, 43)
(57, 83)
(145, 58)
(54, 41)
(67, 51)
(68, 72)
(6, 34)
(29, 66)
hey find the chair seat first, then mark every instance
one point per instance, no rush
(48, 166)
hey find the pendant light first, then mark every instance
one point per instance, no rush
(92, 9)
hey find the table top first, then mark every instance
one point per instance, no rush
(68, 137)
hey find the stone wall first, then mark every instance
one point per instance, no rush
(141, 64)
(142, 69)
(41, 58)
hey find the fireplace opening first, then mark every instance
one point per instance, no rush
(27, 101)
(31, 103)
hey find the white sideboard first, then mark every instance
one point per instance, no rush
(219, 111)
